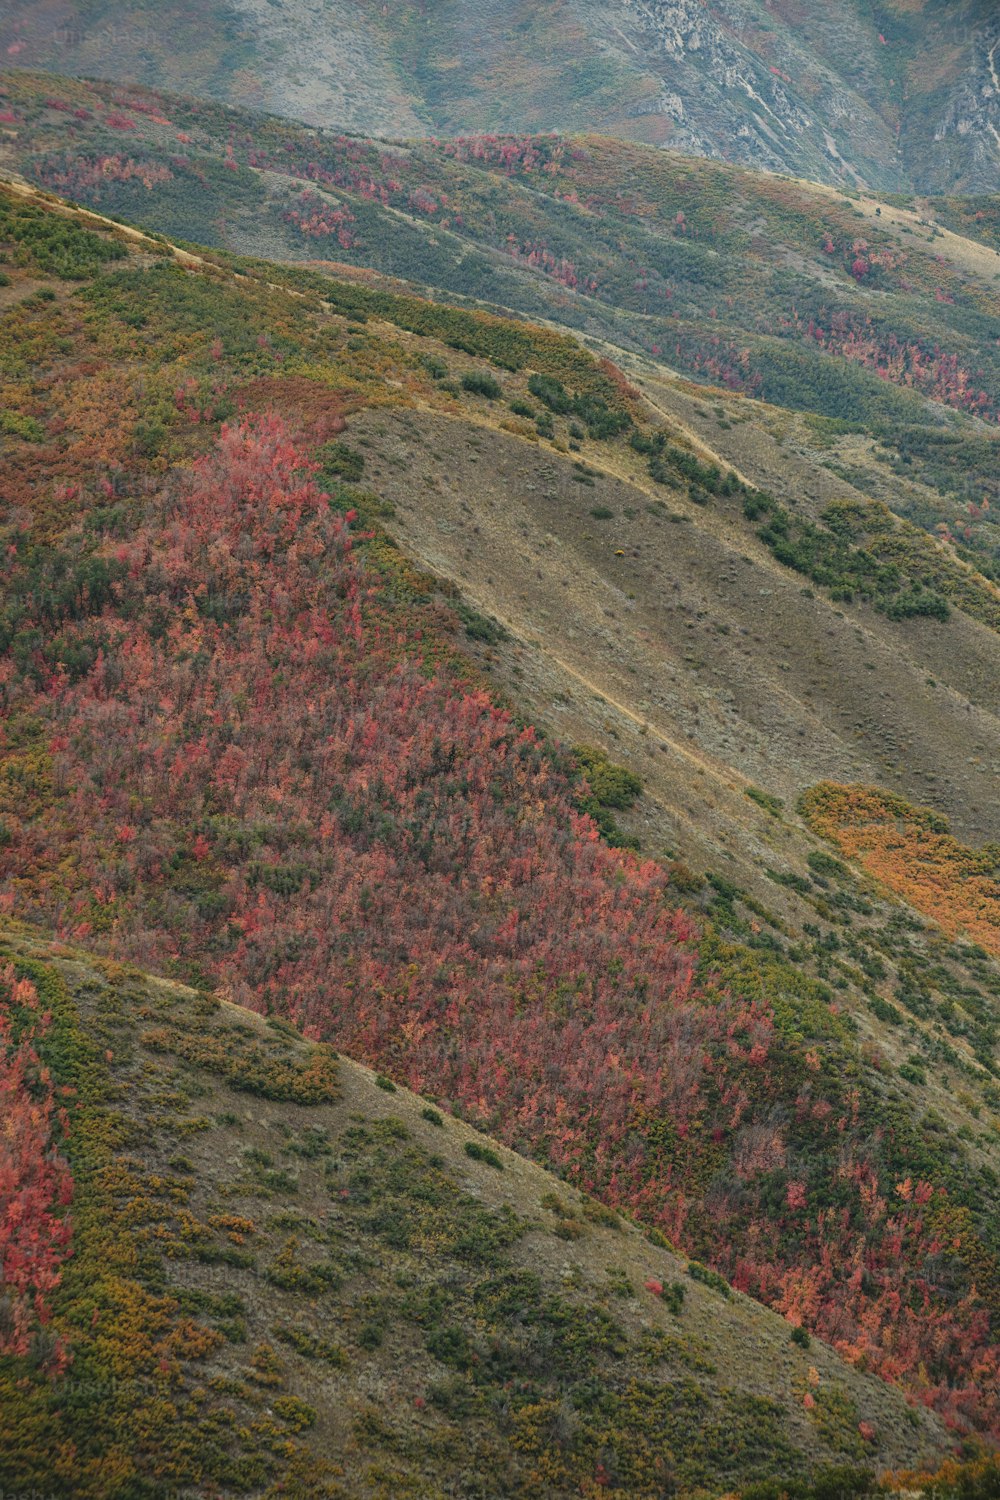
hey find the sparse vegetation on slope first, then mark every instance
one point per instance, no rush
(874, 322)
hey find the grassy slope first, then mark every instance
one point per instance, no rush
(95, 358)
(864, 313)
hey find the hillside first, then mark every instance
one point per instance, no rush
(289, 1276)
(879, 321)
(901, 95)
(276, 642)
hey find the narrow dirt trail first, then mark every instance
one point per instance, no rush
(704, 450)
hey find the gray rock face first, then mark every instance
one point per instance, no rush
(968, 130)
(829, 96)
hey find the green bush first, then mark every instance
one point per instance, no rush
(481, 384)
(772, 805)
(339, 460)
(915, 602)
(611, 785)
(56, 244)
(296, 1415)
(886, 1013)
(855, 551)
(14, 424)
(673, 1296)
(483, 1154)
(822, 863)
(709, 1278)
(676, 467)
(310, 1346)
(552, 392)
(480, 627)
(835, 1483)
(601, 419)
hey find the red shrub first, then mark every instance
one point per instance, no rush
(35, 1183)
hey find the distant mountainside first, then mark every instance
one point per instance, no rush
(878, 319)
(894, 94)
(295, 561)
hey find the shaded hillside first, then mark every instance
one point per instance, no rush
(246, 745)
(868, 316)
(896, 95)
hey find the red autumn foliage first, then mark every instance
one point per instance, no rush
(249, 764)
(35, 1182)
(539, 257)
(864, 341)
(512, 153)
(83, 177)
(317, 219)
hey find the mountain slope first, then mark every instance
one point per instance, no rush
(287, 1275)
(722, 650)
(246, 745)
(894, 95)
(868, 314)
